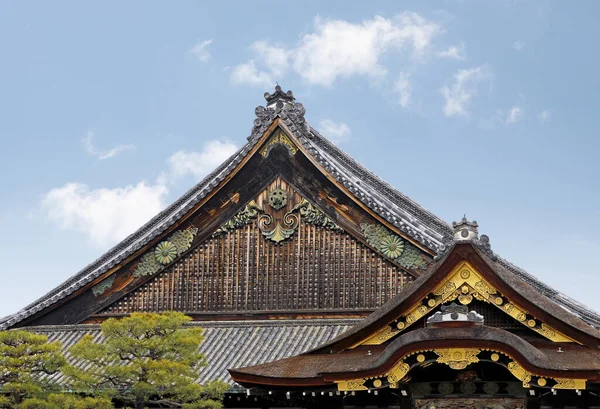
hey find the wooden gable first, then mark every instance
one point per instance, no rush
(320, 253)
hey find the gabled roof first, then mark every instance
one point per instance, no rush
(522, 287)
(400, 211)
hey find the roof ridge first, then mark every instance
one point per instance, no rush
(441, 225)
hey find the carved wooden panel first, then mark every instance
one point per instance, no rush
(315, 269)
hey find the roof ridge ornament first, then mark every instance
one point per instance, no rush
(467, 231)
(283, 105)
(279, 98)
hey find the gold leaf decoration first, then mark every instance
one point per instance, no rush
(457, 358)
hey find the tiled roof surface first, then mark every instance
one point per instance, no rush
(230, 344)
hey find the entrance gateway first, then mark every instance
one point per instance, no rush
(321, 286)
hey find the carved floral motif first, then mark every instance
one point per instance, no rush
(277, 198)
(165, 252)
(392, 246)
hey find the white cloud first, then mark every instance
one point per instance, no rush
(459, 94)
(403, 88)
(338, 48)
(518, 45)
(104, 215)
(248, 74)
(514, 115)
(544, 116)
(274, 57)
(199, 164)
(453, 52)
(102, 155)
(337, 132)
(200, 50)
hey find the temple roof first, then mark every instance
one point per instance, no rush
(405, 214)
(229, 344)
(367, 361)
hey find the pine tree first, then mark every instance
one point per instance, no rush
(25, 359)
(145, 359)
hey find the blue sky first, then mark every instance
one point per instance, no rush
(111, 110)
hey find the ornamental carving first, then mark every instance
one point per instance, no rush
(464, 284)
(278, 138)
(103, 286)
(241, 219)
(277, 198)
(165, 252)
(398, 372)
(278, 233)
(281, 228)
(312, 215)
(392, 246)
(457, 358)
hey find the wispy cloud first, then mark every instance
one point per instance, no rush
(336, 132)
(200, 50)
(459, 94)
(107, 215)
(544, 116)
(518, 45)
(199, 164)
(88, 142)
(403, 89)
(453, 52)
(340, 49)
(515, 114)
(248, 74)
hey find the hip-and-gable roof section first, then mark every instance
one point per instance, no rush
(553, 347)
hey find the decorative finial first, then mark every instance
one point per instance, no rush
(279, 98)
(465, 230)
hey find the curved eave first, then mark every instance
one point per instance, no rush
(311, 369)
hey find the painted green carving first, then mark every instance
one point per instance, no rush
(411, 257)
(182, 239)
(103, 286)
(165, 252)
(277, 198)
(393, 246)
(241, 219)
(312, 215)
(147, 266)
(284, 228)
